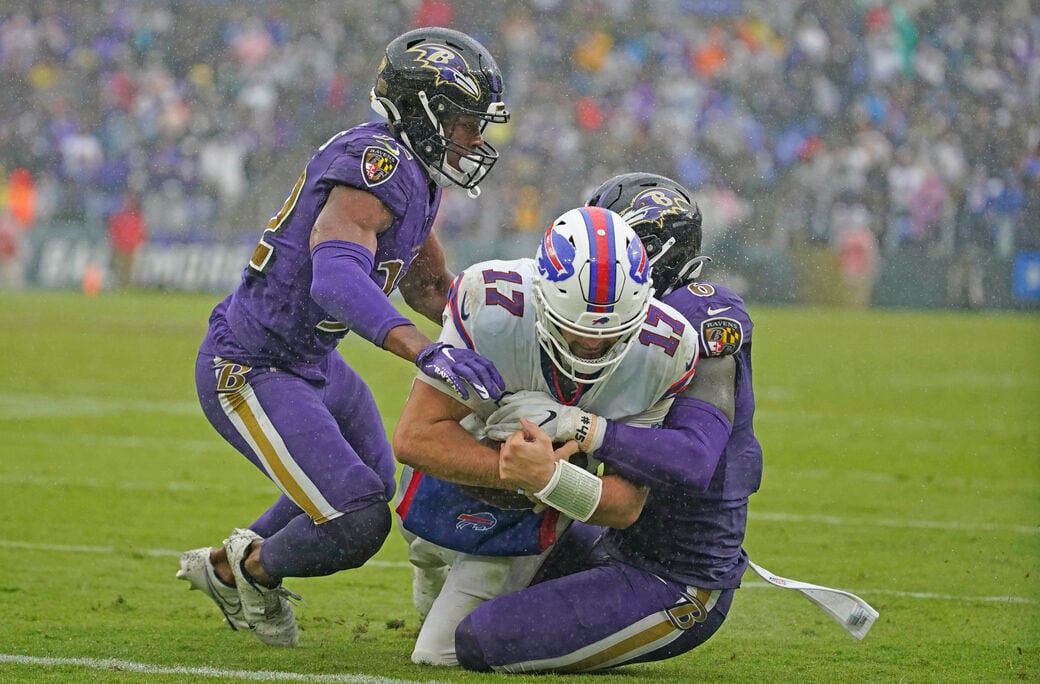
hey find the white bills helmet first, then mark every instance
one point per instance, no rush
(593, 281)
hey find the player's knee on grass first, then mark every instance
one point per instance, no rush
(467, 648)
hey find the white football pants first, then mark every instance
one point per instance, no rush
(448, 585)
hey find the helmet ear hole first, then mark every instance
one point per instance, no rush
(653, 246)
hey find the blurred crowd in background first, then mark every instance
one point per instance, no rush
(868, 126)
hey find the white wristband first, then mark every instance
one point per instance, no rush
(573, 491)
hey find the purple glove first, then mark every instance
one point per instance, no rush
(453, 365)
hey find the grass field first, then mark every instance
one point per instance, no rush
(902, 463)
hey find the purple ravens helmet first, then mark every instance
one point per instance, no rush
(666, 219)
(428, 78)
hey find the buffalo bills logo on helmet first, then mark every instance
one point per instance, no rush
(639, 265)
(556, 256)
(449, 65)
(481, 522)
(654, 204)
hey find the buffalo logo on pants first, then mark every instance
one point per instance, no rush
(481, 522)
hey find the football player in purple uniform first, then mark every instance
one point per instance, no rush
(355, 227)
(663, 585)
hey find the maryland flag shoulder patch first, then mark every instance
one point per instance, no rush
(721, 336)
(377, 165)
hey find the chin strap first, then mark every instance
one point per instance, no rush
(474, 192)
(693, 268)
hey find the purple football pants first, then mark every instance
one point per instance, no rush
(602, 615)
(326, 449)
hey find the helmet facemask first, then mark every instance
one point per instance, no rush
(675, 271)
(441, 115)
(549, 328)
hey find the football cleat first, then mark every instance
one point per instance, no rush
(197, 569)
(266, 610)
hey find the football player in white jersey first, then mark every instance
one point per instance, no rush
(579, 323)
(665, 584)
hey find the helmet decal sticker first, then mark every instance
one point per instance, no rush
(654, 205)
(556, 256)
(640, 265)
(449, 65)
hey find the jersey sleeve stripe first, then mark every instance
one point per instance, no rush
(680, 386)
(458, 317)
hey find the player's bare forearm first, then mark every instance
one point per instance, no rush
(428, 299)
(406, 341)
(425, 286)
(429, 438)
(620, 504)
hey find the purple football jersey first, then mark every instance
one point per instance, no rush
(270, 319)
(696, 537)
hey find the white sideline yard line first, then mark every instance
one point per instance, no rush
(175, 486)
(890, 522)
(894, 479)
(216, 445)
(263, 486)
(115, 665)
(160, 444)
(17, 406)
(168, 553)
(837, 521)
(164, 553)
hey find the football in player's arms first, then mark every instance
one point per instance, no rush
(499, 498)
(512, 500)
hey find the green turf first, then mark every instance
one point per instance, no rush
(902, 463)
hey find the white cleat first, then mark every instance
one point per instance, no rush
(197, 569)
(266, 611)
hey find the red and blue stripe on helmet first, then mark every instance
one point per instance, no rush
(602, 277)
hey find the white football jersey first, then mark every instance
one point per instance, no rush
(491, 310)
